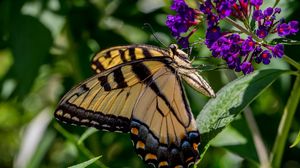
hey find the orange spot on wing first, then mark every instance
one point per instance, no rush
(195, 146)
(189, 159)
(134, 131)
(140, 145)
(150, 156)
(163, 163)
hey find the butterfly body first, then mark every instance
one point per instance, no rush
(138, 89)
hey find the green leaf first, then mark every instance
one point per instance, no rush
(44, 146)
(237, 139)
(86, 134)
(296, 141)
(230, 101)
(86, 163)
(284, 41)
(30, 41)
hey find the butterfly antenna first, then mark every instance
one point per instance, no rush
(148, 25)
(205, 67)
(194, 45)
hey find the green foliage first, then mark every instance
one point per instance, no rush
(297, 141)
(46, 47)
(86, 163)
(230, 101)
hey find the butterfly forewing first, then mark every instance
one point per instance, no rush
(114, 56)
(106, 100)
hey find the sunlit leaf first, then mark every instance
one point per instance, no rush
(86, 134)
(230, 101)
(297, 141)
(86, 163)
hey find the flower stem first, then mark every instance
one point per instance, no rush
(285, 124)
(242, 29)
(260, 147)
(292, 62)
(258, 141)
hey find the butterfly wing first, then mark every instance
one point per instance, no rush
(136, 89)
(106, 100)
(163, 129)
(114, 56)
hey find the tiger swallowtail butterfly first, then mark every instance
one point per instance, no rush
(138, 89)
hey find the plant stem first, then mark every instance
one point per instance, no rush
(261, 149)
(258, 141)
(81, 147)
(285, 124)
(291, 61)
(241, 28)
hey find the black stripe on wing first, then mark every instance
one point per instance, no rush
(71, 114)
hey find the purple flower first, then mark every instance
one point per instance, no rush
(277, 50)
(206, 7)
(256, 3)
(239, 53)
(268, 23)
(220, 47)
(283, 29)
(268, 12)
(248, 45)
(212, 34)
(235, 38)
(277, 10)
(257, 15)
(179, 6)
(212, 19)
(264, 57)
(183, 20)
(294, 27)
(233, 62)
(246, 67)
(262, 32)
(177, 25)
(224, 9)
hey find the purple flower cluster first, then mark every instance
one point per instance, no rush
(285, 29)
(239, 53)
(266, 23)
(181, 22)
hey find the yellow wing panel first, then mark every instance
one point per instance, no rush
(114, 56)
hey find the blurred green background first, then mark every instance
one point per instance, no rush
(45, 49)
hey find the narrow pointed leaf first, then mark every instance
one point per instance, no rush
(86, 163)
(86, 134)
(285, 41)
(297, 141)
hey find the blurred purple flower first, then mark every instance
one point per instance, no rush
(264, 57)
(246, 67)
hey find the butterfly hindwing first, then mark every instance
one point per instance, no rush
(163, 129)
(106, 100)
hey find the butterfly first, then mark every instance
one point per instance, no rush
(138, 89)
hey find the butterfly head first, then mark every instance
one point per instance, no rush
(175, 51)
(180, 58)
